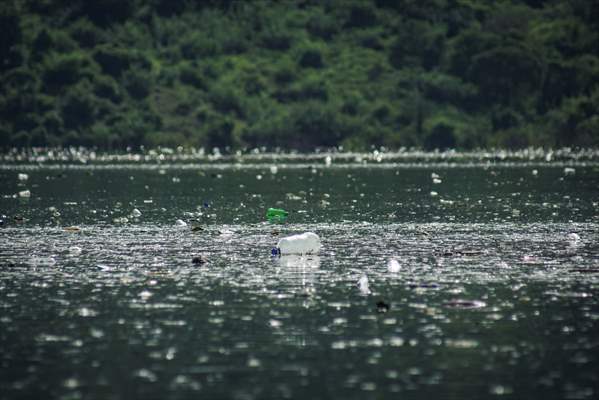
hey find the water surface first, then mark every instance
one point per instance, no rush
(496, 296)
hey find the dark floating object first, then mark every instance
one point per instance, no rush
(586, 270)
(460, 253)
(199, 260)
(19, 219)
(382, 307)
(423, 285)
(460, 303)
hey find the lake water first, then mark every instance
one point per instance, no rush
(496, 295)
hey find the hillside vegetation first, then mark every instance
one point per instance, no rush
(234, 74)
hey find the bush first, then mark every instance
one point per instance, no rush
(198, 46)
(78, 107)
(64, 69)
(322, 26)
(276, 37)
(190, 75)
(138, 84)
(310, 58)
(107, 88)
(114, 61)
(226, 100)
(87, 34)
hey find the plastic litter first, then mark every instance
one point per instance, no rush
(196, 225)
(180, 222)
(305, 243)
(382, 307)
(23, 177)
(276, 215)
(569, 171)
(199, 260)
(42, 261)
(136, 213)
(75, 250)
(363, 285)
(393, 266)
(25, 193)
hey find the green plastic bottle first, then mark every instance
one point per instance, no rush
(276, 215)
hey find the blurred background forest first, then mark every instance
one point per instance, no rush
(299, 74)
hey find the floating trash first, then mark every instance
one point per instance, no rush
(573, 237)
(363, 285)
(42, 261)
(393, 266)
(75, 250)
(180, 222)
(71, 229)
(276, 215)
(460, 303)
(569, 171)
(274, 169)
(23, 177)
(305, 243)
(382, 307)
(199, 260)
(196, 225)
(136, 213)
(25, 194)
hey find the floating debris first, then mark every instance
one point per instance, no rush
(423, 286)
(393, 266)
(199, 260)
(569, 171)
(23, 177)
(382, 307)
(136, 213)
(305, 243)
(196, 225)
(75, 250)
(42, 261)
(573, 237)
(585, 270)
(460, 253)
(363, 285)
(180, 222)
(71, 229)
(25, 194)
(276, 215)
(460, 303)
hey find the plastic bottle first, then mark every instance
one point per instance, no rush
(305, 243)
(276, 215)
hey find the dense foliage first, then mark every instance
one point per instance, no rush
(429, 73)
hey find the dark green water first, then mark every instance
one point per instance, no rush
(495, 297)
